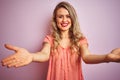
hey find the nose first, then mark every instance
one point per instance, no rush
(64, 19)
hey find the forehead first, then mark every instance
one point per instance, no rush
(62, 11)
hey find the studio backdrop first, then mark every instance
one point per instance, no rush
(25, 23)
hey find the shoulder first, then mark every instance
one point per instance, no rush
(48, 39)
(83, 40)
(49, 36)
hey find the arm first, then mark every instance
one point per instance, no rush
(22, 57)
(43, 55)
(89, 58)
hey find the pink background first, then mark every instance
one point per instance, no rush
(25, 23)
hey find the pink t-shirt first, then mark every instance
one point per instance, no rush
(62, 64)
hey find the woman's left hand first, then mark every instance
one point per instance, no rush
(114, 56)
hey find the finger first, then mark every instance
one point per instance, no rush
(117, 50)
(8, 59)
(11, 47)
(117, 58)
(20, 64)
(13, 64)
(7, 62)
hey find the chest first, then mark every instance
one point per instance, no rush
(65, 43)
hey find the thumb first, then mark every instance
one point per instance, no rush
(11, 47)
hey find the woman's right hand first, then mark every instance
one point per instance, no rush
(21, 57)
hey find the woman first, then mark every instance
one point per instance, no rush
(64, 48)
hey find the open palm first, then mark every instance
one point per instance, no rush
(21, 57)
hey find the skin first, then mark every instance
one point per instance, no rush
(64, 23)
(22, 57)
(63, 20)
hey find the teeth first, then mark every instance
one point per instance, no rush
(64, 24)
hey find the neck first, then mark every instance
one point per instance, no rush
(65, 34)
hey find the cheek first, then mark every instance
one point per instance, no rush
(58, 22)
(70, 21)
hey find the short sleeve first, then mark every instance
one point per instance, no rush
(48, 39)
(83, 41)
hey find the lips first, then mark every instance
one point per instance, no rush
(64, 24)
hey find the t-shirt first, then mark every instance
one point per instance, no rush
(62, 64)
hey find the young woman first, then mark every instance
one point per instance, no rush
(64, 48)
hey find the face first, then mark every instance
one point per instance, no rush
(63, 19)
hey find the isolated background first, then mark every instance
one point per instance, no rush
(25, 23)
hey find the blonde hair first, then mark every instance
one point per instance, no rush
(74, 31)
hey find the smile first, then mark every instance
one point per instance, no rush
(64, 24)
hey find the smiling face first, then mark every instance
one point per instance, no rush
(63, 19)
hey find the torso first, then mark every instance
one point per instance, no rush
(63, 64)
(65, 43)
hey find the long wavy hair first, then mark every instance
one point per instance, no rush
(74, 32)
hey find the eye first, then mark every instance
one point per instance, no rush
(68, 16)
(60, 16)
